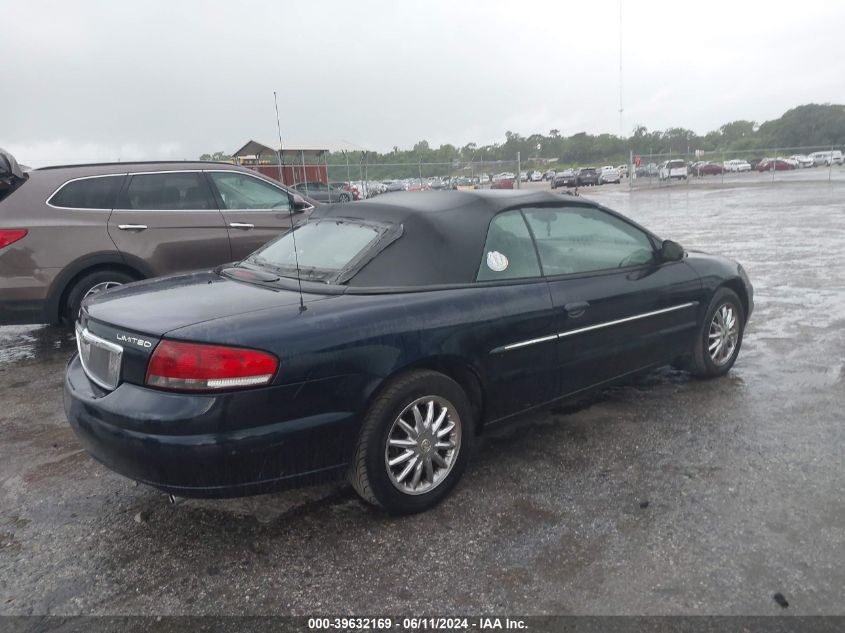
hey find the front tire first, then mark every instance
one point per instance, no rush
(414, 443)
(720, 337)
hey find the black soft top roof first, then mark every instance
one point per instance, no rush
(443, 233)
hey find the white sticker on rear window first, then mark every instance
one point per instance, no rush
(496, 261)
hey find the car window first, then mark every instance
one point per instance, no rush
(509, 252)
(583, 239)
(179, 191)
(89, 193)
(242, 191)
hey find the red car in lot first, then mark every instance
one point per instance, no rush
(707, 169)
(774, 164)
(503, 183)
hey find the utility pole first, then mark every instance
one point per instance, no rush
(621, 126)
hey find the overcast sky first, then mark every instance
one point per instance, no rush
(141, 79)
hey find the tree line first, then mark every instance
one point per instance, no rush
(810, 125)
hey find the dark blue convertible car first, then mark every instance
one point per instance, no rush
(379, 339)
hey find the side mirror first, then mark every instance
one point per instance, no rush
(671, 251)
(299, 204)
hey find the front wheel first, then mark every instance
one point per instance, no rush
(720, 337)
(414, 443)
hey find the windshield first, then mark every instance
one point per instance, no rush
(327, 249)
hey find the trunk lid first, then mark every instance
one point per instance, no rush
(158, 306)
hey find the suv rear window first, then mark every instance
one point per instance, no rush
(99, 192)
(328, 250)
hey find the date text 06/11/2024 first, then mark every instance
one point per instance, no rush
(417, 624)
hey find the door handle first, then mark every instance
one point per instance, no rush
(574, 310)
(132, 227)
(244, 226)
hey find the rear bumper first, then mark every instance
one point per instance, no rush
(185, 444)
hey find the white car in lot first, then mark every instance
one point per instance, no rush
(736, 165)
(828, 158)
(608, 174)
(672, 169)
(803, 160)
(505, 175)
(536, 176)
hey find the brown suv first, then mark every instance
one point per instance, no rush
(72, 231)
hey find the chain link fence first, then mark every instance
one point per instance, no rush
(820, 163)
(737, 167)
(369, 179)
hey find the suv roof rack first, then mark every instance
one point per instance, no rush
(136, 162)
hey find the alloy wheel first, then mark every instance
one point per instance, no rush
(100, 287)
(423, 445)
(723, 334)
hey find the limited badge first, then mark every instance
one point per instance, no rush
(496, 261)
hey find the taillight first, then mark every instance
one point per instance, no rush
(10, 236)
(195, 367)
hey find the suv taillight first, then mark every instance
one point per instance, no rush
(10, 236)
(181, 366)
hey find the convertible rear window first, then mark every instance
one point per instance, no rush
(329, 250)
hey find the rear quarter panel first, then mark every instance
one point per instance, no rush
(56, 236)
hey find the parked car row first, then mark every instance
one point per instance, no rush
(681, 169)
(583, 177)
(586, 176)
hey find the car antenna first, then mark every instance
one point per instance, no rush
(302, 307)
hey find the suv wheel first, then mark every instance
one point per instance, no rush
(90, 285)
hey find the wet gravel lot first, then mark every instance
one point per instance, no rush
(666, 495)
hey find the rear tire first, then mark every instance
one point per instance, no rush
(383, 441)
(89, 284)
(720, 337)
